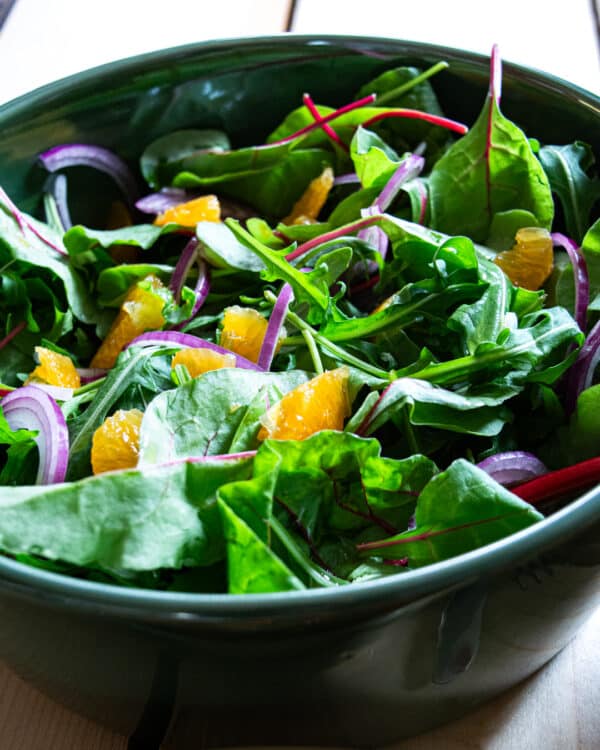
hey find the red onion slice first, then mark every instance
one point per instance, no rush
(188, 257)
(31, 408)
(183, 267)
(158, 203)
(351, 178)
(407, 170)
(581, 373)
(89, 374)
(276, 321)
(97, 157)
(513, 467)
(580, 275)
(188, 341)
(56, 185)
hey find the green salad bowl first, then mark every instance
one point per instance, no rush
(358, 666)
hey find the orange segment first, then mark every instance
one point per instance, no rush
(54, 369)
(116, 443)
(243, 331)
(141, 311)
(205, 208)
(320, 404)
(308, 207)
(531, 259)
(199, 361)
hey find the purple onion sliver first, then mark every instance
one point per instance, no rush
(373, 235)
(31, 408)
(189, 341)
(83, 154)
(56, 185)
(201, 291)
(408, 169)
(580, 274)
(158, 203)
(582, 371)
(351, 178)
(182, 269)
(90, 374)
(513, 467)
(276, 321)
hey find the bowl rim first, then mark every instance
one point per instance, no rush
(408, 586)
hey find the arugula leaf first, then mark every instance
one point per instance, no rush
(427, 404)
(128, 371)
(568, 168)
(278, 268)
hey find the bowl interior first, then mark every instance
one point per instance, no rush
(245, 88)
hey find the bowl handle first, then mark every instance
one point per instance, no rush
(459, 633)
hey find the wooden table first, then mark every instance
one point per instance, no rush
(556, 709)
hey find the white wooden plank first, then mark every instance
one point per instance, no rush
(43, 40)
(556, 37)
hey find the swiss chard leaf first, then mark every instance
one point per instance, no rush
(459, 510)
(491, 169)
(22, 251)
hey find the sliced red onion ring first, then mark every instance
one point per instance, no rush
(158, 203)
(513, 467)
(351, 178)
(408, 169)
(276, 321)
(58, 392)
(375, 236)
(580, 274)
(581, 373)
(188, 341)
(87, 155)
(189, 255)
(182, 269)
(31, 408)
(56, 185)
(90, 374)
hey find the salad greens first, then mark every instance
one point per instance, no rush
(365, 244)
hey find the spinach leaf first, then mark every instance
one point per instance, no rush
(252, 566)
(204, 416)
(158, 517)
(222, 249)
(164, 157)
(374, 161)
(568, 169)
(114, 282)
(459, 510)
